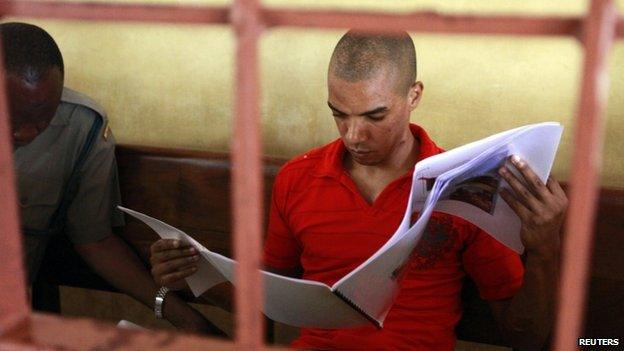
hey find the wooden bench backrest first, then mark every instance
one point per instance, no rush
(187, 189)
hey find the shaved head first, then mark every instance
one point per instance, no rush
(360, 56)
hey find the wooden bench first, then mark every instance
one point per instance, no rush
(191, 190)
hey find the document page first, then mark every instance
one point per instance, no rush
(477, 200)
(207, 275)
(296, 302)
(468, 177)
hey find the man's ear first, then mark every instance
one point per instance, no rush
(415, 93)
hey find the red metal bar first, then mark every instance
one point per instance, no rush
(425, 22)
(599, 30)
(48, 332)
(384, 22)
(115, 12)
(417, 22)
(13, 306)
(247, 177)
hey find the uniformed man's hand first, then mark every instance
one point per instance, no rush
(172, 262)
(541, 208)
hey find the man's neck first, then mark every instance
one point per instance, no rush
(401, 159)
(372, 179)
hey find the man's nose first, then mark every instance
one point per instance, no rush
(356, 132)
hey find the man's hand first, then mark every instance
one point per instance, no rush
(541, 208)
(527, 318)
(114, 261)
(172, 262)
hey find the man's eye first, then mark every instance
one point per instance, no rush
(337, 115)
(376, 117)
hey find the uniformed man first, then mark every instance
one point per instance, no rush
(66, 171)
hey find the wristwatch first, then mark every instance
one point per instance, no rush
(159, 301)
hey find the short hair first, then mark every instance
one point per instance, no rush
(29, 51)
(359, 56)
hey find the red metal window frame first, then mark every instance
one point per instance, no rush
(597, 31)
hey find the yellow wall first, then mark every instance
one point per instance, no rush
(172, 85)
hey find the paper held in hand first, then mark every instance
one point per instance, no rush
(463, 182)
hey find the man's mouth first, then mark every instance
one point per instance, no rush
(359, 153)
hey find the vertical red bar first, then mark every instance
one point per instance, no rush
(599, 30)
(13, 306)
(247, 177)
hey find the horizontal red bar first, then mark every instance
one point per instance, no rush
(425, 22)
(384, 22)
(49, 332)
(115, 12)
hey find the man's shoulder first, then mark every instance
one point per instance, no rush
(74, 97)
(308, 161)
(82, 114)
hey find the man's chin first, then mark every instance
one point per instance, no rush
(17, 144)
(365, 160)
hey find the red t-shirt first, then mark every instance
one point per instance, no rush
(321, 223)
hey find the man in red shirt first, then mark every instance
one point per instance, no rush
(334, 206)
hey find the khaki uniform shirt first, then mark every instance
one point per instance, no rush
(43, 169)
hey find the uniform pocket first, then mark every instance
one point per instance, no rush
(38, 199)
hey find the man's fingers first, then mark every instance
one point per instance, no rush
(521, 192)
(515, 205)
(555, 188)
(532, 180)
(161, 271)
(175, 265)
(172, 278)
(165, 244)
(168, 255)
(165, 250)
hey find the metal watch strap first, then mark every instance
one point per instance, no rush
(159, 301)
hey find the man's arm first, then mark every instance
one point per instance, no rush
(527, 318)
(112, 259)
(172, 262)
